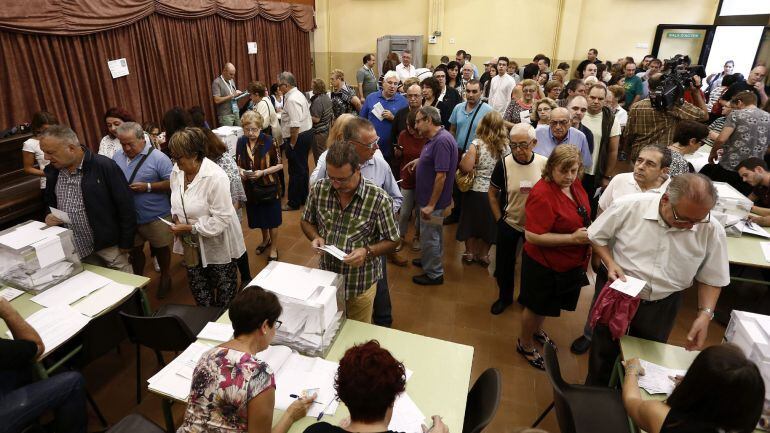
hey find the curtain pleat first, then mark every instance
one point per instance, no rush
(172, 62)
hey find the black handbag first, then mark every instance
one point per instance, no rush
(262, 193)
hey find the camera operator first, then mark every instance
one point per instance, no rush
(755, 83)
(649, 125)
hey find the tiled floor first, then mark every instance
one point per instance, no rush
(457, 311)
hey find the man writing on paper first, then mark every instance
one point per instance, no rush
(93, 192)
(349, 211)
(22, 399)
(225, 94)
(671, 242)
(147, 173)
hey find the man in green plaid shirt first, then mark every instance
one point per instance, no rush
(350, 212)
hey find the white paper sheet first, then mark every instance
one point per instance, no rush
(118, 68)
(251, 47)
(657, 378)
(334, 251)
(56, 325)
(631, 287)
(49, 251)
(300, 373)
(9, 293)
(288, 280)
(217, 332)
(765, 250)
(61, 215)
(167, 222)
(22, 237)
(377, 110)
(53, 230)
(175, 378)
(751, 228)
(407, 417)
(103, 299)
(72, 289)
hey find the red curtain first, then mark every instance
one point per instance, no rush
(171, 62)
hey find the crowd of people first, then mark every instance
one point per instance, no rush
(581, 168)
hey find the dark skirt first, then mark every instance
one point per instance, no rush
(541, 293)
(265, 215)
(476, 219)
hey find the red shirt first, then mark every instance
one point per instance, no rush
(411, 148)
(550, 211)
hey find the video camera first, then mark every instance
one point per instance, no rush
(677, 77)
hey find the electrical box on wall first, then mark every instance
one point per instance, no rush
(433, 40)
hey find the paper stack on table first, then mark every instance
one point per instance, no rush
(56, 325)
(221, 332)
(407, 417)
(658, 379)
(72, 289)
(175, 378)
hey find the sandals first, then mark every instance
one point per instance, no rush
(261, 248)
(272, 257)
(468, 258)
(542, 338)
(532, 356)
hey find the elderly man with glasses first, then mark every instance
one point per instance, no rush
(380, 108)
(559, 132)
(671, 243)
(349, 211)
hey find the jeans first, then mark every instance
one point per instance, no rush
(298, 170)
(382, 308)
(431, 243)
(407, 206)
(63, 393)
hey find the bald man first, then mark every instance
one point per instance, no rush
(560, 131)
(226, 94)
(512, 179)
(654, 238)
(755, 82)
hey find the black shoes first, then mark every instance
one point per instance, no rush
(417, 262)
(425, 280)
(580, 345)
(499, 306)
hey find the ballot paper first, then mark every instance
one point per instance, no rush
(175, 378)
(23, 236)
(377, 110)
(658, 379)
(407, 417)
(294, 281)
(334, 251)
(9, 293)
(71, 289)
(631, 287)
(299, 373)
(56, 325)
(752, 228)
(167, 222)
(217, 332)
(103, 298)
(61, 215)
(49, 251)
(765, 250)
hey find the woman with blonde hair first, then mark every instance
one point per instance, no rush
(556, 248)
(477, 226)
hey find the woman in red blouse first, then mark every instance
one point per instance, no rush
(556, 250)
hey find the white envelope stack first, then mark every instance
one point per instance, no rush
(313, 305)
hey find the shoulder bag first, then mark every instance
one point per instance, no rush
(465, 180)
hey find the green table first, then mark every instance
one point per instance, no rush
(442, 369)
(26, 308)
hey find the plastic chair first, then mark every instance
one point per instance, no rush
(483, 400)
(581, 408)
(135, 423)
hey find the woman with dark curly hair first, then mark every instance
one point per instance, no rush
(231, 389)
(113, 118)
(368, 381)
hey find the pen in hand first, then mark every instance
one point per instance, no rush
(296, 396)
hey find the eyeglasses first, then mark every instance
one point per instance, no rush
(373, 145)
(559, 122)
(341, 179)
(520, 145)
(250, 130)
(688, 221)
(277, 325)
(584, 214)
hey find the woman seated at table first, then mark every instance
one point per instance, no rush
(231, 389)
(721, 392)
(556, 248)
(368, 381)
(688, 138)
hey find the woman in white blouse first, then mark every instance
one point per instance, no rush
(31, 152)
(206, 226)
(113, 118)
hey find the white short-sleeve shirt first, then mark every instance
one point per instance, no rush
(32, 146)
(624, 184)
(667, 258)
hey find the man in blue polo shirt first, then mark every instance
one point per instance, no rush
(560, 132)
(147, 172)
(380, 108)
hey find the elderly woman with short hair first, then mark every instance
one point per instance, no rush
(261, 104)
(541, 111)
(322, 115)
(206, 226)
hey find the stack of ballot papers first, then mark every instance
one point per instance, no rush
(228, 130)
(310, 299)
(56, 325)
(658, 379)
(100, 293)
(407, 417)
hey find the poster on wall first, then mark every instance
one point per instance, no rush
(251, 47)
(118, 68)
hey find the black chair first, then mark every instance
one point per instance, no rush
(135, 423)
(581, 408)
(483, 400)
(172, 328)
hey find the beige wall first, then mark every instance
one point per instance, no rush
(561, 29)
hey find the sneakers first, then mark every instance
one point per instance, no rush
(580, 345)
(417, 262)
(425, 280)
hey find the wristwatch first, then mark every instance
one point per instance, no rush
(149, 187)
(708, 311)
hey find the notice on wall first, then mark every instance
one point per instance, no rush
(251, 47)
(118, 68)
